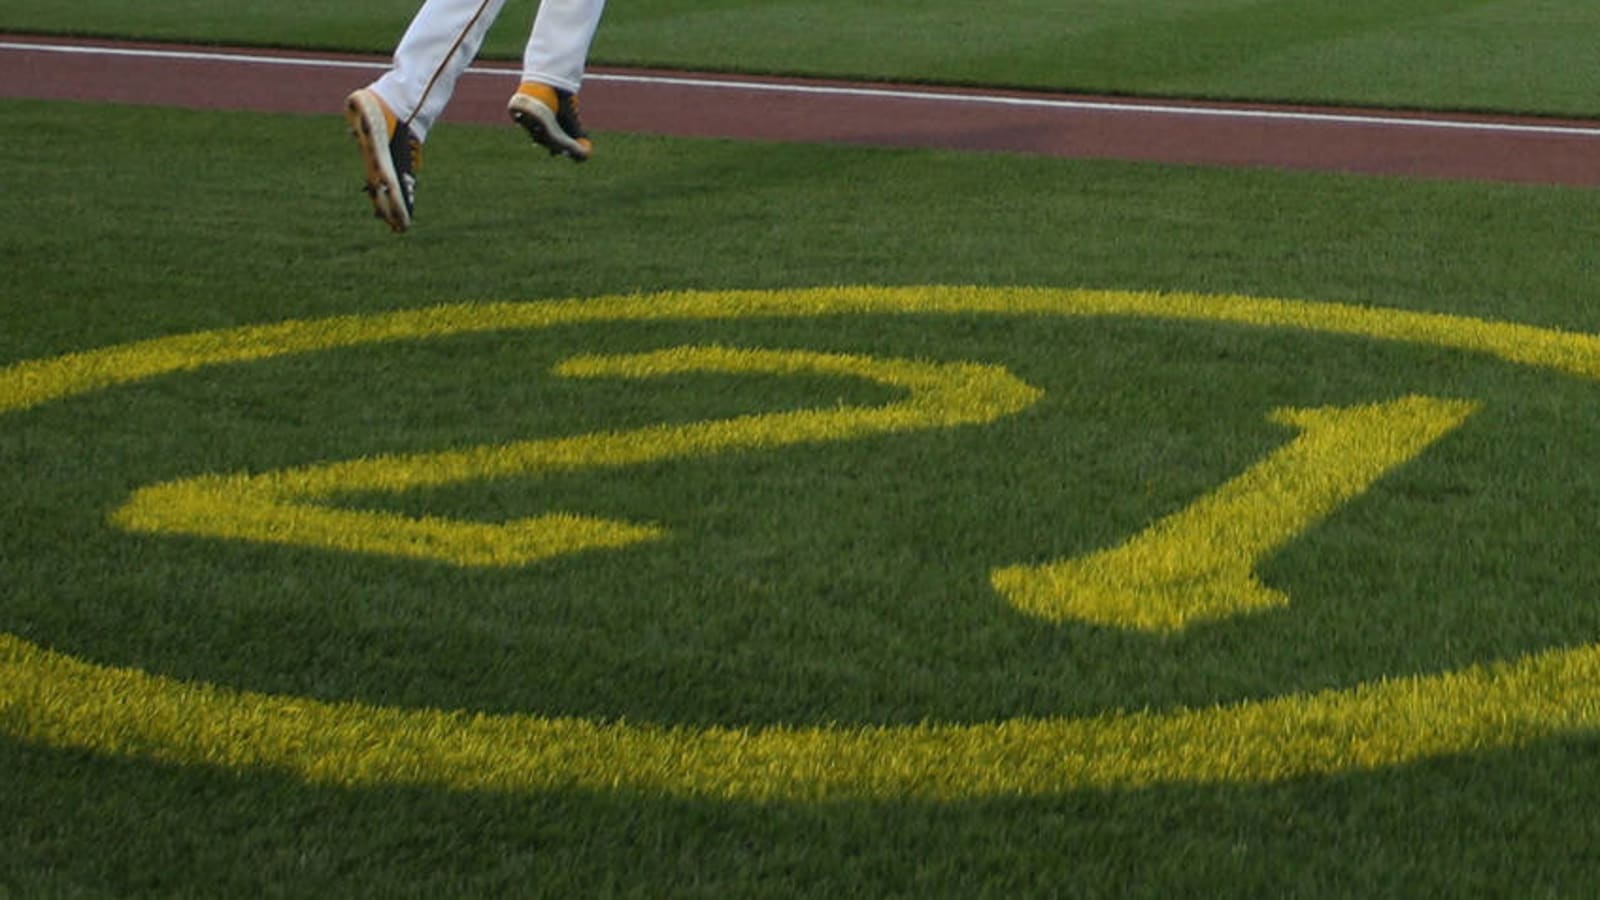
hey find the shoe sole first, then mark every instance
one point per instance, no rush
(371, 132)
(540, 124)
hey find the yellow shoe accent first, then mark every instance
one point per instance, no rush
(543, 93)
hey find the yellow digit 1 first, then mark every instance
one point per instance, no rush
(1199, 564)
(294, 506)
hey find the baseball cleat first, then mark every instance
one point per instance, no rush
(391, 154)
(550, 116)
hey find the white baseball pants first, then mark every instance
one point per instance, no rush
(444, 37)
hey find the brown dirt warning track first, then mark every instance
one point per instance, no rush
(687, 104)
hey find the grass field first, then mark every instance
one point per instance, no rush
(835, 590)
(1505, 55)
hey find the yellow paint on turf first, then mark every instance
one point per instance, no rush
(56, 700)
(290, 506)
(59, 701)
(1199, 564)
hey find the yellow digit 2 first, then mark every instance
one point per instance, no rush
(294, 506)
(1199, 564)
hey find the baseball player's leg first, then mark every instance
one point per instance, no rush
(558, 48)
(441, 42)
(546, 103)
(391, 117)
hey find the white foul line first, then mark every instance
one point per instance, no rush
(194, 56)
(902, 94)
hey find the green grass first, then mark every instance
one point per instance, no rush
(1509, 55)
(841, 583)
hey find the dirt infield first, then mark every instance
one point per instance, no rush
(1528, 150)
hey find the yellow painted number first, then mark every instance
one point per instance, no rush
(1199, 564)
(293, 506)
